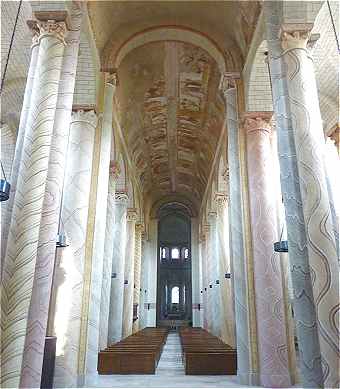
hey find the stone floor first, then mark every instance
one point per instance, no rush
(169, 374)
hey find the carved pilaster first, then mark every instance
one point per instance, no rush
(112, 79)
(257, 121)
(228, 81)
(85, 116)
(295, 35)
(131, 215)
(221, 200)
(121, 197)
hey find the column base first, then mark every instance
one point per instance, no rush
(248, 378)
(275, 381)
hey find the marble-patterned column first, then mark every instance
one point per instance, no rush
(303, 302)
(245, 368)
(92, 307)
(117, 274)
(214, 292)
(137, 273)
(69, 270)
(107, 260)
(131, 219)
(38, 312)
(226, 290)
(23, 237)
(20, 139)
(270, 312)
(310, 146)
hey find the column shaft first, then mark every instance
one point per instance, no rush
(237, 243)
(129, 273)
(21, 251)
(309, 141)
(91, 306)
(69, 273)
(107, 264)
(270, 312)
(38, 312)
(137, 273)
(118, 262)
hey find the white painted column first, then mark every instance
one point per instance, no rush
(28, 98)
(195, 273)
(92, 334)
(206, 307)
(129, 272)
(214, 292)
(117, 274)
(310, 147)
(39, 308)
(107, 260)
(143, 286)
(226, 290)
(137, 273)
(69, 271)
(21, 251)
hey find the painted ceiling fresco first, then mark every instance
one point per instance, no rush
(171, 114)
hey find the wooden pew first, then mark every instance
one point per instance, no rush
(205, 354)
(137, 354)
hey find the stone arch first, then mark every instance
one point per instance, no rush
(112, 59)
(185, 202)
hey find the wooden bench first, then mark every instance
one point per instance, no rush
(205, 354)
(137, 354)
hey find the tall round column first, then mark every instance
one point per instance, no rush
(226, 291)
(21, 251)
(117, 277)
(214, 292)
(270, 310)
(20, 140)
(38, 313)
(108, 255)
(69, 272)
(206, 307)
(137, 274)
(129, 273)
(245, 341)
(310, 147)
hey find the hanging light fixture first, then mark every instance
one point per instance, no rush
(5, 186)
(282, 245)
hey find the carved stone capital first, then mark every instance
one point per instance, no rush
(295, 35)
(34, 29)
(257, 121)
(114, 170)
(52, 28)
(131, 215)
(121, 198)
(140, 228)
(228, 81)
(112, 79)
(85, 116)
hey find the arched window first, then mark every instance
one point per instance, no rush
(186, 253)
(164, 253)
(175, 295)
(175, 253)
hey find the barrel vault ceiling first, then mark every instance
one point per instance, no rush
(168, 103)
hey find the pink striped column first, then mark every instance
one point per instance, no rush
(270, 312)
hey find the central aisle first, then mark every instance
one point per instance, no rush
(169, 374)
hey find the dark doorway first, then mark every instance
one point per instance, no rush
(174, 300)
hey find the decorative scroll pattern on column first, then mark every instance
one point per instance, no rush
(129, 272)
(303, 303)
(21, 252)
(227, 303)
(38, 313)
(91, 310)
(309, 141)
(242, 319)
(108, 254)
(28, 98)
(137, 270)
(270, 312)
(70, 266)
(118, 264)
